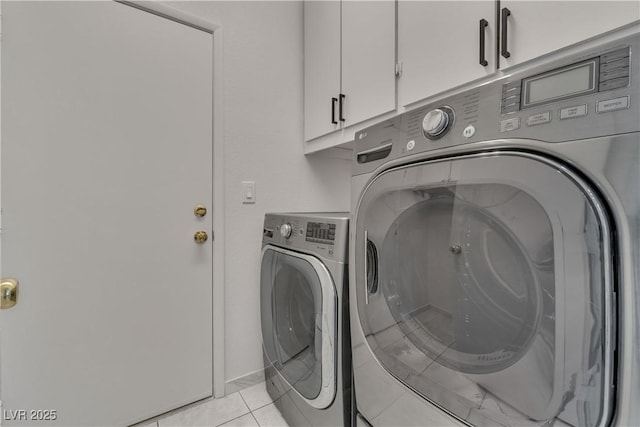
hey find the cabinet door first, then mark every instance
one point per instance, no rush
(368, 59)
(321, 66)
(538, 27)
(439, 45)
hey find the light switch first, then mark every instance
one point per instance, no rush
(248, 192)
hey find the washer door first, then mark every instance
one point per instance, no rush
(298, 305)
(484, 284)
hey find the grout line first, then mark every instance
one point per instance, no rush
(183, 408)
(239, 416)
(233, 419)
(255, 419)
(245, 402)
(259, 407)
(265, 405)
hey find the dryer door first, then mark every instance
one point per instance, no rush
(298, 305)
(484, 284)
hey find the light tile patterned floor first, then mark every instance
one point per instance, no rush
(251, 407)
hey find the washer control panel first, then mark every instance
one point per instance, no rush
(595, 75)
(325, 234)
(601, 73)
(585, 91)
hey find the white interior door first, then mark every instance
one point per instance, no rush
(106, 149)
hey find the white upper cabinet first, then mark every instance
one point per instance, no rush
(534, 28)
(351, 46)
(321, 67)
(368, 59)
(443, 44)
(349, 65)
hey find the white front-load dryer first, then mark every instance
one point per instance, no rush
(494, 248)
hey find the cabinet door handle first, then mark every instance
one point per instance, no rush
(340, 116)
(334, 101)
(506, 13)
(483, 26)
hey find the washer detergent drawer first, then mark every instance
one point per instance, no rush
(493, 288)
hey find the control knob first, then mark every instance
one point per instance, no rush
(285, 230)
(436, 122)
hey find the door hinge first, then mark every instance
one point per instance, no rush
(398, 69)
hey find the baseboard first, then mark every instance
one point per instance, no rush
(243, 382)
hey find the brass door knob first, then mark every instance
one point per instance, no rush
(8, 293)
(200, 211)
(200, 236)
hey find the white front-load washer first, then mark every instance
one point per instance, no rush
(495, 245)
(304, 316)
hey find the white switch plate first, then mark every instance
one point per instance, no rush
(248, 192)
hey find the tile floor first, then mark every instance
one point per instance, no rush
(251, 407)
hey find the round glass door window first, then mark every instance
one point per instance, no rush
(460, 283)
(291, 310)
(294, 317)
(490, 297)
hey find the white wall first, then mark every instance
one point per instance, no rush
(263, 142)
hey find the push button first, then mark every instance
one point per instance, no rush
(614, 74)
(573, 112)
(510, 100)
(614, 70)
(613, 104)
(510, 86)
(411, 145)
(614, 84)
(510, 97)
(511, 124)
(469, 131)
(620, 63)
(539, 119)
(511, 93)
(510, 108)
(615, 55)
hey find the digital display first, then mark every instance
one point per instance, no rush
(321, 232)
(559, 84)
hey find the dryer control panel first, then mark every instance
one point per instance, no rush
(586, 91)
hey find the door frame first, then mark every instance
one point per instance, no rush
(218, 262)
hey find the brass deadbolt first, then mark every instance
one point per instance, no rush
(8, 293)
(200, 211)
(200, 236)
